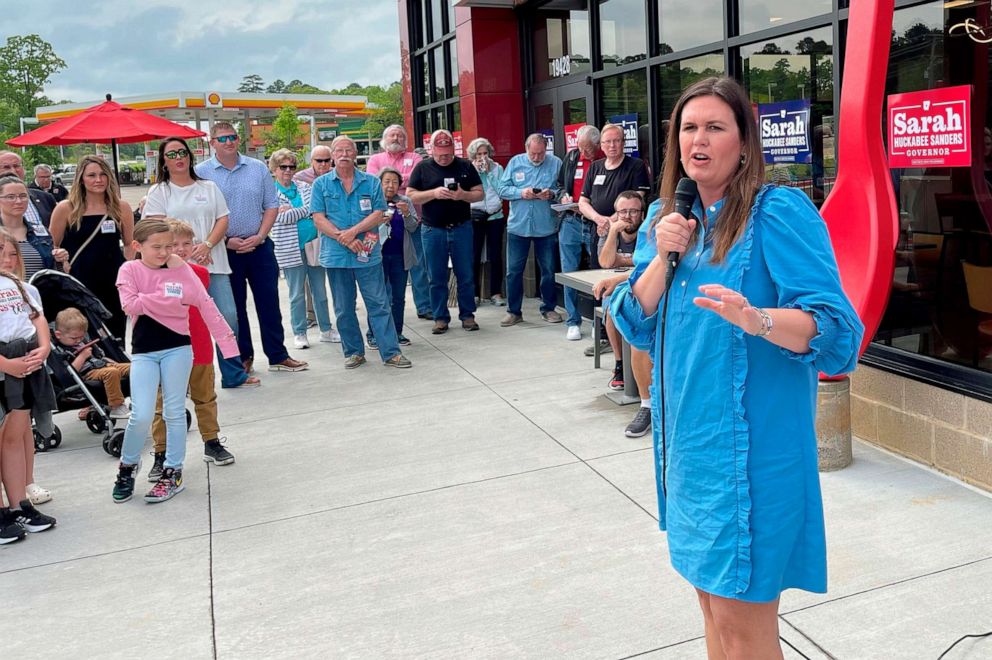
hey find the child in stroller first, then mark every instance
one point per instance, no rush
(88, 360)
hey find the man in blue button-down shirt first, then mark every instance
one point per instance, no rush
(530, 182)
(347, 207)
(250, 194)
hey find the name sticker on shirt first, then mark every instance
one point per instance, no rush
(108, 227)
(518, 177)
(200, 199)
(173, 289)
(579, 173)
(599, 180)
(407, 162)
(448, 180)
(365, 204)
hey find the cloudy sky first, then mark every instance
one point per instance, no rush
(129, 47)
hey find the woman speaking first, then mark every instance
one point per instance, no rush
(755, 309)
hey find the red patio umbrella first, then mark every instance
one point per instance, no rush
(106, 123)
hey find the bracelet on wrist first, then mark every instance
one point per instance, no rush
(766, 323)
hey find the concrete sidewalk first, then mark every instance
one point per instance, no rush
(484, 504)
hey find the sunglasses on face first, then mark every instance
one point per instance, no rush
(287, 168)
(176, 153)
(224, 139)
(321, 160)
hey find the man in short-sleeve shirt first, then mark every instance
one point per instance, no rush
(347, 207)
(250, 193)
(609, 177)
(445, 186)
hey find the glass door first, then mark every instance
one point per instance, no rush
(559, 112)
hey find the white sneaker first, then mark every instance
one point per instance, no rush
(573, 334)
(301, 341)
(120, 412)
(330, 337)
(37, 494)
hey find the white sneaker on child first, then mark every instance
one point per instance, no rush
(120, 412)
(330, 337)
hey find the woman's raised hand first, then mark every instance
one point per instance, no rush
(673, 233)
(731, 305)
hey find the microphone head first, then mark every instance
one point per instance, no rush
(686, 190)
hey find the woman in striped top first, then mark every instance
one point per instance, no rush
(298, 250)
(33, 239)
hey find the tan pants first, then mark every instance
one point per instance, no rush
(111, 376)
(204, 396)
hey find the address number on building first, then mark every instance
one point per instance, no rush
(560, 66)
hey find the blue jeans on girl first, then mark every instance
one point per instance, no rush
(169, 368)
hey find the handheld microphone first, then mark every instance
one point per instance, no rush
(685, 196)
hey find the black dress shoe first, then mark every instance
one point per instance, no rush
(427, 316)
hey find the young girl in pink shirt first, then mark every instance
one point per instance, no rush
(156, 292)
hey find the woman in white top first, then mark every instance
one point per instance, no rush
(181, 194)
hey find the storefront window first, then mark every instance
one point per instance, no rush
(424, 29)
(623, 32)
(574, 111)
(794, 75)
(624, 100)
(437, 19)
(944, 255)
(437, 55)
(671, 79)
(456, 123)
(763, 14)
(453, 71)
(561, 41)
(688, 23)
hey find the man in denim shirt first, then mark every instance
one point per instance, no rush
(530, 182)
(250, 194)
(347, 207)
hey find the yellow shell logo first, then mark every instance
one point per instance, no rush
(213, 98)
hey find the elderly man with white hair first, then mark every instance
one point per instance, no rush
(445, 186)
(44, 180)
(530, 183)
(347, 207)
(320, 164)
(395, 154)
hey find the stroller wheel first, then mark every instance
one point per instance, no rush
(56, 439)
(95, 422)
(113, 442)
(189, 420)
(39, 442)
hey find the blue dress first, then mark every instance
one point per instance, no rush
(742, 506)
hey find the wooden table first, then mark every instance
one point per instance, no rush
(583, 281)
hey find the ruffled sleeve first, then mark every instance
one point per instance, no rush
(801, 262)
(628, 315)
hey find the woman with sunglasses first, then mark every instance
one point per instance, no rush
(90, 225)
(297, 249)
(181, 194)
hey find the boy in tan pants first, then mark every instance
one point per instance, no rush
(201, 377)
(89, 361)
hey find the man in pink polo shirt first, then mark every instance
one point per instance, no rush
(394, 154)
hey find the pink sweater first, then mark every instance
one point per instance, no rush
(166, 294)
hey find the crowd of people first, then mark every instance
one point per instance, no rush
(742, 280)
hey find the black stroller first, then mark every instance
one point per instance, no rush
(58, 291)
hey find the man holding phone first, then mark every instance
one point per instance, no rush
(445, 186)
(530, 183)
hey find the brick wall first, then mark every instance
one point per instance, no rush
(947, 431)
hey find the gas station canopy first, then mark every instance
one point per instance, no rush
(226, 106)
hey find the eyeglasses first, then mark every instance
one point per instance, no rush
(628, 213)
(176, 153)
(321, 160)
(224, 139)
(287, 168)
(15, 198)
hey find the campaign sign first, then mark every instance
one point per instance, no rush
(459, 150)
(931, 128)
(427, 142)
(785, 131)
(550, 135)
(629, 125)
(572, 135)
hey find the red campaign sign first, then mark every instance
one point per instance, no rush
(931, 128)
(457, 135)
(572, 136)
(427, 143)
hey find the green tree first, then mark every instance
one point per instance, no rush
(286, 130)
(252, 84)
(27, 64)
(389, 106)
(277, 87)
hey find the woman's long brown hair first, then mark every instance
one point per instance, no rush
(77, 195)
(746, 181)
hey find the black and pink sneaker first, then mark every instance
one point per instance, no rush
(168, 486)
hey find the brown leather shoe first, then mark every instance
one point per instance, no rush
(470, 325)
(289, 364)
(440, 327)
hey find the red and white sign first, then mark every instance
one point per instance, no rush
(931, 128)
(427, 143)
(459, 151)
(572, 136)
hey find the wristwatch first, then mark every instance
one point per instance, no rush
(210, 246)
